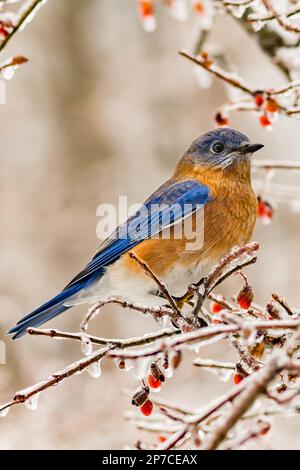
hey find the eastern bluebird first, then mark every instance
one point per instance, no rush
(214, 173)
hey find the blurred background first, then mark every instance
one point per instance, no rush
(104, 109)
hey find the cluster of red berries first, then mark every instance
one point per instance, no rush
(141, 396)
(154, 380)
(265, 211)
(269, 106)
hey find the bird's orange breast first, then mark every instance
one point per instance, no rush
(229, 220)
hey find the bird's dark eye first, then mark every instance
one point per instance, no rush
(218, 147)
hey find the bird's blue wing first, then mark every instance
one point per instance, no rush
(170, 204)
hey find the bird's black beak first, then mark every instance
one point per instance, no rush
(248, 149)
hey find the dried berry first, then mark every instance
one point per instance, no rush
(156, 372)
(215, 307)
(176, 360)
(259, 98)
(147, 408)
(121, 364)
(273, 311)
(206, 59)
(221, 120)
(140, 396)
(265, 211)
(166, 361)
(146, 8)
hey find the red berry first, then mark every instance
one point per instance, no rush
(216, 322)
(153, 383)
(261, 209)
(244, 302)
(237, 378)
(272, 106)
(221, 120)
(162, 439)
(147, 408)
(245, 296)
(146, 8)
(264, 210)
(215, 307)
(206, 59)
(264, 121)
(259, 99)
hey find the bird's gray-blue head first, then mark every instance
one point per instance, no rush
(221, 148)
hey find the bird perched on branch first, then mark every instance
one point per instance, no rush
(206, 207)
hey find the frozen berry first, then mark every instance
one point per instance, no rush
(215, 307)
(146, 8)
(176, 359)
(259, 99)
(221, 120)
(245, 296)
(272, 106)
(237, 378)
(162, 439)
(156, 372)
(147, 408)
(261, 208)
(153, 383)
(265, 121)
(140, 396)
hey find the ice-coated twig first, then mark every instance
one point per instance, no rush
(119, 343)
(280, 18)
(175, 314)
(27, 10)
(210, 364)
(276, 165)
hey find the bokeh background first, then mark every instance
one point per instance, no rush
(104, 109)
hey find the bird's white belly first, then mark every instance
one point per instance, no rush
(118, 281)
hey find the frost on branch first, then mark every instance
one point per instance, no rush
(14, 18)
(265, 376)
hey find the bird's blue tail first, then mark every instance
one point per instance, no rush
(49, 310)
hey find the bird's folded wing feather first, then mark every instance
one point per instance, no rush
(170, 204)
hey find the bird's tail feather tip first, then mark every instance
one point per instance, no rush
(35, 319)
(45, 312)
